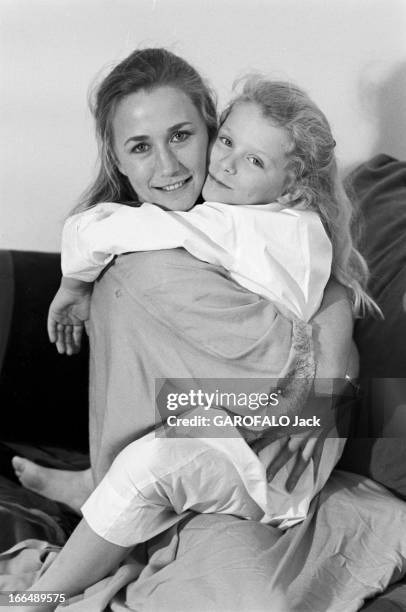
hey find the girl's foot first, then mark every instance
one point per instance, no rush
(67, 486)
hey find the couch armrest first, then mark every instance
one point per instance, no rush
(43, 395)
(6, 300)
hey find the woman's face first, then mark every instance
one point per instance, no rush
(160, 142)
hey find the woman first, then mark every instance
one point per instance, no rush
(153, 148)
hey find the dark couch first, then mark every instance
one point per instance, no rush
(44, 394)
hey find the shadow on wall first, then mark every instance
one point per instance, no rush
(384, 101)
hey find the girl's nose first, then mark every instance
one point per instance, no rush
(167, 162)
(228, 165)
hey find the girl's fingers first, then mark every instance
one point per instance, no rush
(69, 344)
(77, 336)
(51, 328)
(60, 338)
(67, 337)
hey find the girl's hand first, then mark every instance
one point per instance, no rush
(67, 315)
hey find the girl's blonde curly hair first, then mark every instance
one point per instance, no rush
(312, 176)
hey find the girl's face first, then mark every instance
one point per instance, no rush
(160, 142)
(248, 159)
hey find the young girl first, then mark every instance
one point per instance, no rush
(274, 198)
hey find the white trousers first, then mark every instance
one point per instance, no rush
(155, 481)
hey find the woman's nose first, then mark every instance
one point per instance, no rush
(167, 162)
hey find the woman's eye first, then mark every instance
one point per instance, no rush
(255, 161)
(180, 136)
(226, 141)
(141, 147)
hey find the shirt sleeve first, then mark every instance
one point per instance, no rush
(90, 239)
(284, 255)
(309, 269)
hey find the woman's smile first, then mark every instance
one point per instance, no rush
(174, 186)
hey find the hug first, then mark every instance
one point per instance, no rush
(212, 250)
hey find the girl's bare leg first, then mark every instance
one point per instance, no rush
(85, 559)
(69, 487)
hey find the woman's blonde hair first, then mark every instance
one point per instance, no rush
(312, 175)
(144, 69)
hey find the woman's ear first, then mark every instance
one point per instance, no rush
(116, 163)
(120, 169)
(114, 160)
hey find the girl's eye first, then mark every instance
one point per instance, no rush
(180, 136)
(141, 147)
(255, 161)
(226, 141)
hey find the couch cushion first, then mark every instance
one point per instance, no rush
(380, 185)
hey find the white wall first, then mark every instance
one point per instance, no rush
(349, 54)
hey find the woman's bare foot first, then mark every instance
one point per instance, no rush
(67, 486)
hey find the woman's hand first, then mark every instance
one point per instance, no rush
(334, 408)
(67, 315)
(336, 365)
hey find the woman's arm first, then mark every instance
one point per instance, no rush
(335, 351)
(336, 359)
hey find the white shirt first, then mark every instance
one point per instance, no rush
(283, 254)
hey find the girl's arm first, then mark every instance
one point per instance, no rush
(90, 239)
(291, 251)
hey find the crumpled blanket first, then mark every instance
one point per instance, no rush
(351, 546)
